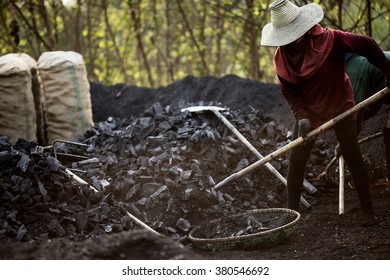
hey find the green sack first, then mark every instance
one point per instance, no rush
(366, 79)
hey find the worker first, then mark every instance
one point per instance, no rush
(367, 80)
(310, 64)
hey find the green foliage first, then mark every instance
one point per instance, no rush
(154, 42)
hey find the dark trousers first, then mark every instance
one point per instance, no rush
(347, 136)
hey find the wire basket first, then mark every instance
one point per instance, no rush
(372, 148)
(269, 227)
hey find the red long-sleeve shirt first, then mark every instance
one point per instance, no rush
(328, 92)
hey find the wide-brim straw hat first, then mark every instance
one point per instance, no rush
(289, 22)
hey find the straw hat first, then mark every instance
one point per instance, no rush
(289, 22)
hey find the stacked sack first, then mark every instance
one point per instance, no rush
(17, 109)
(44, 100)
(65, 88)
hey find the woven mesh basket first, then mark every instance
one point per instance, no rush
(281, 223)
(373, 152)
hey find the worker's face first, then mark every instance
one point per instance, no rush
(299, 39)
(296, 43)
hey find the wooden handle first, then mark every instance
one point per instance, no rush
(341, 185)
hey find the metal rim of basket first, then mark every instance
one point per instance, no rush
(247, 236)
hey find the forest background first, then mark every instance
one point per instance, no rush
(152, 43)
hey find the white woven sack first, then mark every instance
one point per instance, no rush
(38, 97)
(17, 112)
(31, 62)
(64, 84)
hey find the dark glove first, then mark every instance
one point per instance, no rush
(387, 81)
(304, 127)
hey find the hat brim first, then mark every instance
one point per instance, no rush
(309, 15)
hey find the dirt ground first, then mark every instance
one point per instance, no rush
(322, 233)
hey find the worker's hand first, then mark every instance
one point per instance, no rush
(304, 127)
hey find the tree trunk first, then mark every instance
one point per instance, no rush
(388, 32)
(189, 29)
(43, 12)
(340, 14)
(119, 57)
(254, 72)
(135, 14)
(369, 19)
(90, 48)
(77, 44)
(220, 22)
(56, 7)
(168, 40)
(156, 31)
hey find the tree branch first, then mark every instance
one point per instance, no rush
(30, 27)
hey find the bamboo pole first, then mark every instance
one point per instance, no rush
(140, 223)
(341, 185)
(79, 180)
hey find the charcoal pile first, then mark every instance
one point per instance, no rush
(126, 101)
(146, 157)
(39, 200)
(165, 164)
(160, 167)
